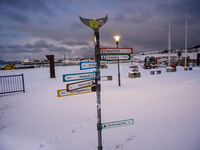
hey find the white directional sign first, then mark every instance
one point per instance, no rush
(116, 51)
(88, 65)
(117, 124)
(79, 76)
(63, 92)
(79, 85)
(115, 57)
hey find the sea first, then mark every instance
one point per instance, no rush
(37, 65)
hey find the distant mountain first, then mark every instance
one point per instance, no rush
(3, 62)
(197, 46)
(9, 62)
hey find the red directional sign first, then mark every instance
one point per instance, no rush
(116, 51)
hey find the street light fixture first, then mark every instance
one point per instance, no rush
(117, 37)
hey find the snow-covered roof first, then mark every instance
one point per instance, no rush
(191, 55)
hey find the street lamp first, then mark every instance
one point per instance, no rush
(117, 37)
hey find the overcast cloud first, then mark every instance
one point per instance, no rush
(35, 28)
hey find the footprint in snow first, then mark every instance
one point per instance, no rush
(89, 117)
(130, 138)
(119, 146)
(113, 111)
(43, 145)
(75, 128)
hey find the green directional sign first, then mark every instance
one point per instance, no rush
(115, 57)
(117, 124)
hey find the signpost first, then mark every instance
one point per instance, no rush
(63, 92)
(88, 65)
(116, 51)
(91, 81)
(79, 76)
(95, 25)
(116, 54)
(79, 85)
(117, 124)
(115, 57)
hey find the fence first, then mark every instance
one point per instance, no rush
(11, 84)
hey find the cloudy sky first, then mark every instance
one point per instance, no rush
(34, 28)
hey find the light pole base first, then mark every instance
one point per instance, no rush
(100, 148)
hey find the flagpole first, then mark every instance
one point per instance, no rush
(185, 40)
(169, 44)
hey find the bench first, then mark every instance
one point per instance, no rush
(158, 71)
(103, 66)
(134, 74)
(108, 77)
(186, 69)
(153, 72)
(170, 69)
(134, 68)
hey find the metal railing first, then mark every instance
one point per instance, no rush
(12, 84)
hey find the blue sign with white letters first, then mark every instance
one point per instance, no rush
(88, 65)
(79, 76)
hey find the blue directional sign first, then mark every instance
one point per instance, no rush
(88, 65)
(79, 76)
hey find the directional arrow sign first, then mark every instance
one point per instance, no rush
(79, 85)
(88, 65)
(115, 57)
(116, 51)
(63, 92)
(79, 76)
(117, 124)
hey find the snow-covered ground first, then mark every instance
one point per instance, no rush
(165, 108)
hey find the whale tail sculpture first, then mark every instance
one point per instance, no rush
(94, 24)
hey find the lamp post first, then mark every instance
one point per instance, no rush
(117, 37)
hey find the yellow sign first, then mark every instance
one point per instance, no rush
(94, 24)
(63, 92)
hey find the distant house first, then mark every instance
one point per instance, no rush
(26, 60)
(192, 57)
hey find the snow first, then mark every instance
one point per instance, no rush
(165, 108)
